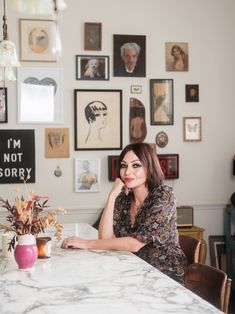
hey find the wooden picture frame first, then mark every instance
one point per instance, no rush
(113, 167)
(161, 102)
(87, 175)
(56, 142)
(135, 48)
(177, 56)
(217, 246)
(170, 165)
(192, 93)
(40, 95)
(3, 105)
(92, 36)
(92, 67)
(192, 128)
(37, 38)
(98, 119)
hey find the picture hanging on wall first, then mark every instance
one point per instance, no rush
(56, 142)
(137, 124)
(161, 139)
(176, 56)
(87, 175)
(192, 127)
(3, 105)
(17, 156)
(37, 40)
(126, 47)
(92, 36)
(92, 67)
(161, 102)
(192, 93)
(40, 95)
(170, 165)
(113, 167)
(98, 119)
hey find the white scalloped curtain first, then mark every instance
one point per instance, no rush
(39, 7)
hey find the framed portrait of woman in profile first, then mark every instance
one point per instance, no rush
(176, 56)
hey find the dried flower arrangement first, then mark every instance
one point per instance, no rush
(25, 216)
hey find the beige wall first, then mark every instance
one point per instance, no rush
(206, 180)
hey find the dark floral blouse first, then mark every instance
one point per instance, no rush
(155, 225)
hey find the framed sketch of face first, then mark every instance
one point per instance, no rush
(56, 142)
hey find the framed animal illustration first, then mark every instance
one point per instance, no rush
(92, 67)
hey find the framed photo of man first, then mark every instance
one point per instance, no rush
(129, 55)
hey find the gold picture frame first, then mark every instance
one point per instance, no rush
(37, 38)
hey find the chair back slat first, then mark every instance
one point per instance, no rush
(192, 248)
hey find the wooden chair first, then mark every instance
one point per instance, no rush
(209, 283)
(192, 248)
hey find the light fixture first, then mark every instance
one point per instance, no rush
(45, 7)
(8, 55)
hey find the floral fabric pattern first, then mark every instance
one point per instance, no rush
(155, 225)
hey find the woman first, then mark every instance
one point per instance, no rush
(140, 214)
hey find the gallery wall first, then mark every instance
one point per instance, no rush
(205, 168)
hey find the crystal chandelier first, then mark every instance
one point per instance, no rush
(8, 55)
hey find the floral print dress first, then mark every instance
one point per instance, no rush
(155, 225)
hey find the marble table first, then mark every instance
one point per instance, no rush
(89, 281)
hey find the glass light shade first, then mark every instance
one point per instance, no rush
(8, 55)
(56, 41)
(38, 7)
(7, 74)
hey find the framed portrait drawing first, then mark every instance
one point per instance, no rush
(98, 119)
(192, 127)
(92, 67)
(3, 105)
(87, 175)
(113, 167)
(192, 93)
(170, 165)
(161, 102)
(126, 47)
(176, 56)
(40, 95)
(56, 142)
(37, 40)
(92, 36)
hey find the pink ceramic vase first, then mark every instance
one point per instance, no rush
(26, 251)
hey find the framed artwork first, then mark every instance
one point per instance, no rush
(17, 156)
(126, 47)
(176, 56)
(161, 102)
(93, 36)
(3, 105)
(40, 95)
(92, 67)
(98, 119)
(217, 247)
(192, 129)
(37, 39)
(170, 165)
(161, 139)
(87, 175)
(137, 121)
(56, 142)
(113, 167)
(192, 93)
(136, 89)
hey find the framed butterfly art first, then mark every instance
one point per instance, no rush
(192, 127)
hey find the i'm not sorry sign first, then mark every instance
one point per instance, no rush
(17, 155)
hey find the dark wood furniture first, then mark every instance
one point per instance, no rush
(192, 248)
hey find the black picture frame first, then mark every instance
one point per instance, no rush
(98, 119)
(170, 165)
(92, 68)
(92, 36)
(161, 102)
(192, 93)
(217, 246)
(3, 105)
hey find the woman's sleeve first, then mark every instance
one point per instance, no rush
(157, 226)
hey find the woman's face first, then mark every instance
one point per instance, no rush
(132, 172)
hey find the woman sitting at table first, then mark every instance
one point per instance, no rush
(140, 214)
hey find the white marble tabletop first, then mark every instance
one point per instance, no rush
(88, 281)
